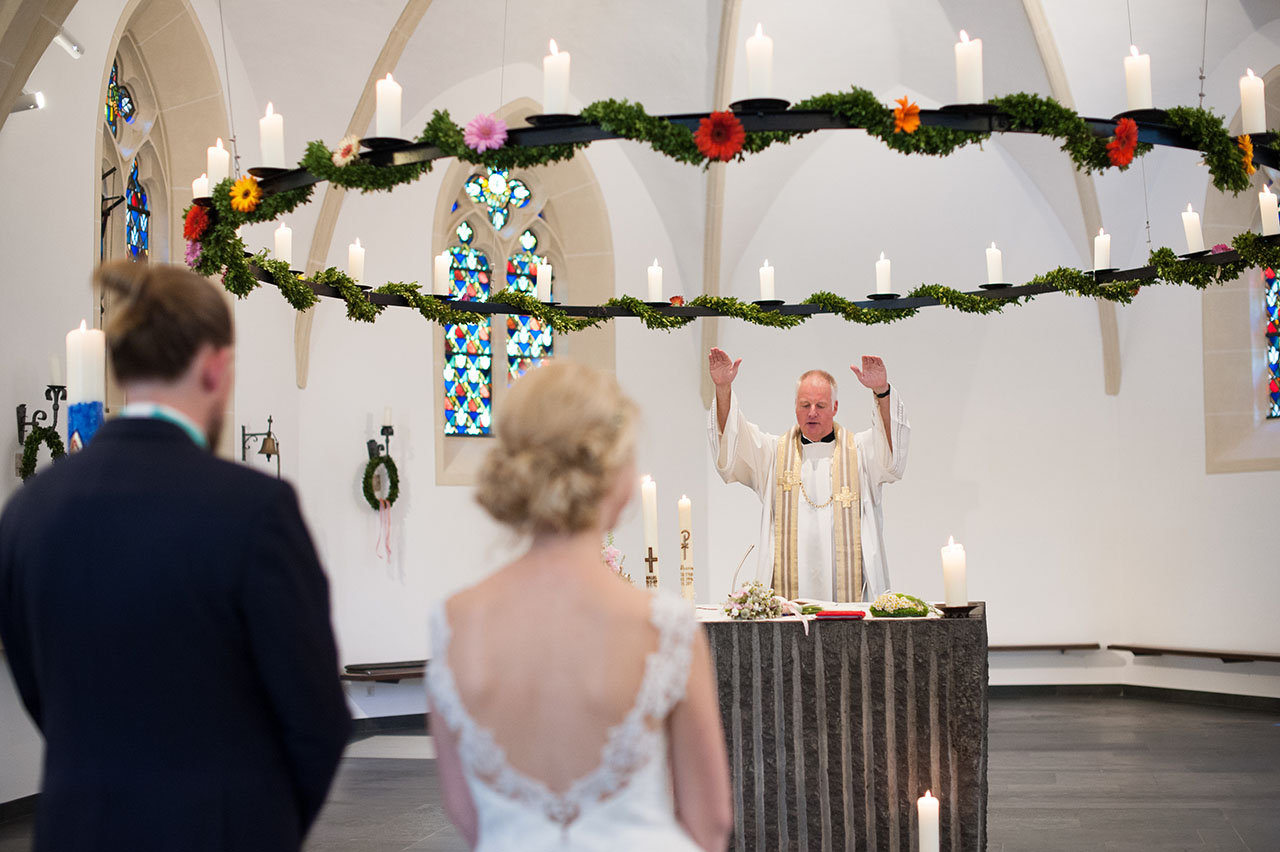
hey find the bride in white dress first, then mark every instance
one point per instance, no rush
(571, 711)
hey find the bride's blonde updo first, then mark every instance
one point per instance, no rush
(566, 432)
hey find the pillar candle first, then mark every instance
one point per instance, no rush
(649, 503)
(759, 65)
(968, 70)
(955, 589)
(55, 370)
(995, 265)
(927, 816)
(86, 365)
(1267, 204)
(1253, 104)
(555, 81)
(684, 509)
(882, 275)
(271, 138)
(218, 164)
(442, 277)
(1102, 250)
(766, 282)
(386, 416)
(544, 282)
(200, 187)
(387, 124)
(1191, 227)
(1137, 79)
(355, 261)
(655, 282)
(284, 244)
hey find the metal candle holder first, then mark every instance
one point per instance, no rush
(53, 393)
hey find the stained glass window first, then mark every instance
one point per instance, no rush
(1271, 286)
(112, 106)
(468, 358)
(137, 223)
(499, 194)
(528, 340)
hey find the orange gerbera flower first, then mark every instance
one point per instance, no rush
(245, 194)
(1246, 149)
(906, 118)
(720, 136)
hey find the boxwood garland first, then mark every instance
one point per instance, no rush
(223, 253)
(393, 481)
(38, 435)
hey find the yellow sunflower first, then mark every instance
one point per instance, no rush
(246, 194)
(1246, 148)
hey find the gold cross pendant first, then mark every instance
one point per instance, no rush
(846, 497)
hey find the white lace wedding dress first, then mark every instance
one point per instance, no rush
(625, 803)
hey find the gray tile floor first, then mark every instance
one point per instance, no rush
(1071, 774)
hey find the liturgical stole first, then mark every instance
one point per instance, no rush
(845, 512)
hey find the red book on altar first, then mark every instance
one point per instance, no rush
(853, 614)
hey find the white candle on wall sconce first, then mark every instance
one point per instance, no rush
(968, 70)
(271, 138)
(995, 265)
(759, 65)
(1191, 227)
(284, 244)
(1267, 206)
(766, 282)
(218, 164)
(883, 280)
(927, 817)
(200, 187)
(1102, 250)
(355, 261)
(555, 81)
(655, 282)
(1137, 79)
(387, 123)
(441, 278)
(544, 282)
(386, 416)
(1253, 104)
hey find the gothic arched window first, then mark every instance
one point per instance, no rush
(528, 340)
(137, 223)
(468, 353)
(1271, 294)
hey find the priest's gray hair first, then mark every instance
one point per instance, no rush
(823, 374)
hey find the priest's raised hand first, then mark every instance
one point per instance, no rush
(723, 371)
(875, 378)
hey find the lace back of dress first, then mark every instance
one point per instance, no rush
(628, 747)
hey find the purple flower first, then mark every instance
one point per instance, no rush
(485, 132)
(194, 250)
(1220, 248)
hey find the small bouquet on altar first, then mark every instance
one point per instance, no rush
(895, 605)
(754, 600)
(613, 557)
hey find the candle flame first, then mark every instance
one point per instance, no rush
(964, 36)
(759, 29)
(389, 78)
(655, 261)
(357, 242)
(646, 479)
(882, 255)
(270, 109)
(283, 227)
(1189, 210)
(1101, 232)
(951, 540)
(554, 49)
(82, 325)
(993, 244)
(1133, 50)
(203, 176)
(1249, 71)
(766, 263)
(928, 794)
(218, 144)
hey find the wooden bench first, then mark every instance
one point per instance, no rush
(1225, 656)
(1060, 648)
(385, 672)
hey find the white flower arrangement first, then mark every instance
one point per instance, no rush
(895, 605)
(754, 600)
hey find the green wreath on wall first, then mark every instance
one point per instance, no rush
(393, 481)
(49, 437)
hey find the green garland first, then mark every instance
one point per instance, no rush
(393, 481)
(560, 322)
(861, 108)
(38, 435)
(359, 174)
(1047, 117)
(358, 305)
(293, 287)
(850, 312)
(433, 309)
(1205, 132)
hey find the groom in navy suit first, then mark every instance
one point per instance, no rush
(164, 614)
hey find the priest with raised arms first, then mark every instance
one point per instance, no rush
(821, 522)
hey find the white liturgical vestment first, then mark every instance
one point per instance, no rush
(748, 455)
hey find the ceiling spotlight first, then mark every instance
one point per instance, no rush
(27, 101)
(67, 42)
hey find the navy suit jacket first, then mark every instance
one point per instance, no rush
(167, 624)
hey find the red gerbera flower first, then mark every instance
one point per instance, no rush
(196, 224)
(720, 136)
(1120, 148)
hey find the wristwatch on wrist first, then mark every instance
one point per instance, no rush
(887, 388)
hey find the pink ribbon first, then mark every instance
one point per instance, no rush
(794, 608)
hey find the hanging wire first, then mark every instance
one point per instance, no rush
(1204, 50)
(226, 72)
(502, 70)
(1146, 205)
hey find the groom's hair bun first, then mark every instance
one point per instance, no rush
(566, 431)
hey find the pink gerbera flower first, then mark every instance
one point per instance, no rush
(485, 132)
